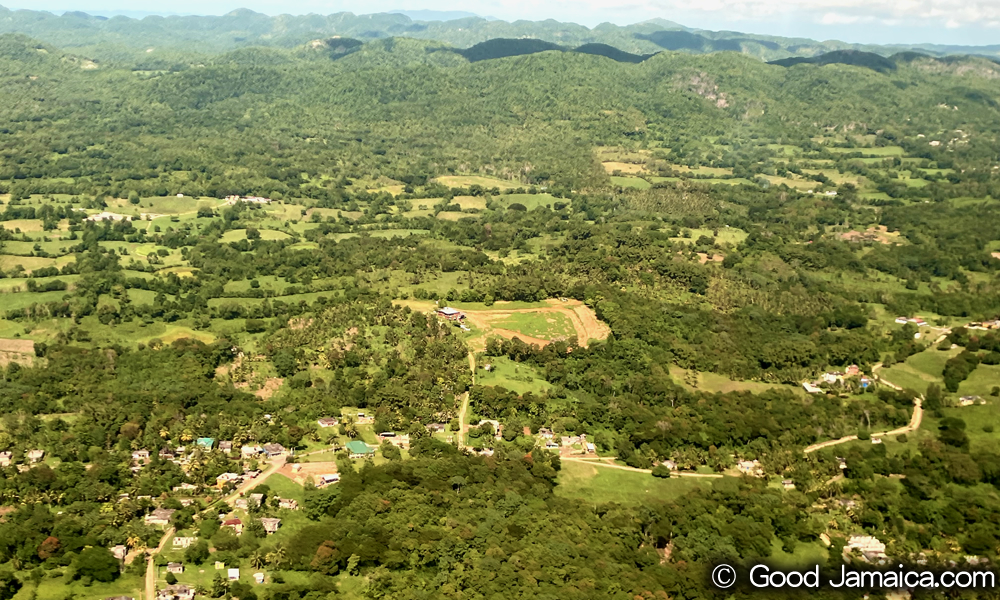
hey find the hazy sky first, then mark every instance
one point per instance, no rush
(937, 21)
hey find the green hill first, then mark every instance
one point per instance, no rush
(856, 58)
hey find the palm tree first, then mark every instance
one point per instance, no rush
(258, 560)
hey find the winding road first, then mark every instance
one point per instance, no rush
(915, 418)
(600, 462)
(151, 567)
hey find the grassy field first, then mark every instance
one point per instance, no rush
(530, 201)
(919, 370)
(546, 326)
(515, 377)
(236, 235)
(630, 182)
(464, 181)
(602, 484)
(714, 382)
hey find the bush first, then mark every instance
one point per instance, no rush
(988, 428)
(901, 438)
(864, 434)
(98, 564)
(661, 471)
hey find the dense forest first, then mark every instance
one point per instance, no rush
(764, 296)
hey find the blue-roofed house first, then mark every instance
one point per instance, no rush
(206, 442)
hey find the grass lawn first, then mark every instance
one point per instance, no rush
(516, 377)
(714, 382)
(981, 381)
(543, 325)
(57, 588)
(803, 555)
(603, 484)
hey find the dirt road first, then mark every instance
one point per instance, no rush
(915, 420)
(249, 485)
(151, 567)
(463, 427)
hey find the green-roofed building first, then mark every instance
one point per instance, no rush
(206, 443)
(359, 449)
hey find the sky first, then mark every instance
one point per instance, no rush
(966, 22)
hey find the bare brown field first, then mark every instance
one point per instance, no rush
(300, 472)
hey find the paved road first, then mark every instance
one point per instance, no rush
(151, 568)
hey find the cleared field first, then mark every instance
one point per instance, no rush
(612, 166)
(30, 263)
(544, 325)
(455, 216)
(464, 181)
(25, 225)
(467, 202)
(919, 370)
(516, 377)
(235, 235)
(600, 485)
(529, 201)
(630, 182)
(714, 382)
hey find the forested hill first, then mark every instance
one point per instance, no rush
(242, 28)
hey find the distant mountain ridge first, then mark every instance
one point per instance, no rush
(106, 38)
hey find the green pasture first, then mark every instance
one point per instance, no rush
(516, 377)
(599, 485)
(529, 201)
(235, 235)
(542, 325)
(630, 182)
(464, 181)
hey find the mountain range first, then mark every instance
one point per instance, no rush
(106, 38)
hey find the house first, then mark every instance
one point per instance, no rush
(35, 455)
(166, 454)
(259, 578)
(969, 400)
(184, 542)
(437, 427)
(175, 568)
(5, 459)
(901, 320)
(185, 487)
(270, 525)
(853, 370)
(359, 449)
(328, 422)
(219, 565)
(750, 467)
(234, 524)
(160, 516)
(234, 574)
(256, 499)
(497, 427)
(550, 445)
(119, 552)
(178, 591)
(205, 442)
(452, 314)
(119, 598)
(328, 479)
(788, 484)
(868, 546)
(272, 450)
(241, 503)
(140, 456)
(591, 448)
(250, 451)
(670, 465)
(842, 463)
(226, 447)
(811, 388)
(865, 382)
(546, 433)
(225, 478)
(876, 440)
(288, 503)
(833, 377)
(364, 419)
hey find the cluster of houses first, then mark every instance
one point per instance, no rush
(915, 320)
(836, 378)
(31, 457)
(572, 444)
(985, 325)
(236, 478)
(401, 440)
(970, 400)
(181, 455)
(231, 200)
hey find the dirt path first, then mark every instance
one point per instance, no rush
(151, 568)
(915, 419)
(600, 462)
(462, 426)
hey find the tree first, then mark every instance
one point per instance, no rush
(97, 563)
(197, 553)
(171, 579)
